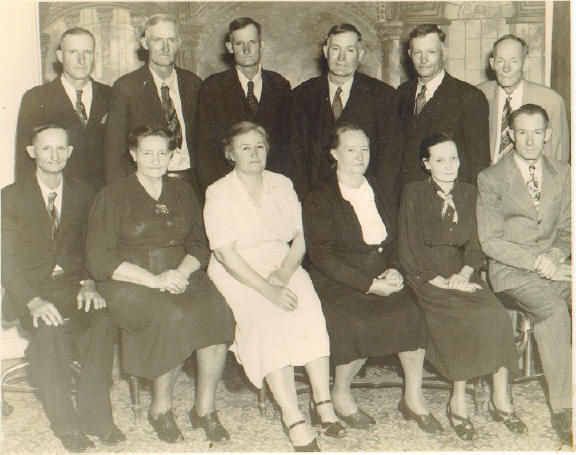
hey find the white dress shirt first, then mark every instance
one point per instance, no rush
(180, 159)
(46, 191)
(257, 79)
(431, 85)
(362, 201)
(515, 103)
(344, 95)
(86, 94)
(523, 167)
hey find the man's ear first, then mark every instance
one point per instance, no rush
(229, 47)
(444, 52)
(70, 148)
(59, 55)
(333, 154)
(426, 163)
(133, 154)
(361, 53)
(511, 135)
(31, 152)
(143, 43)
(491, 61)
(548, 134)
(325, 51)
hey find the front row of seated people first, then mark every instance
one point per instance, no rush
(365, 297)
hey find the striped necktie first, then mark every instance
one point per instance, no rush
(533, 186)
(53, 214)
(420, 101)
(170, 115)
(506, 145)
(251, 98)
(80, 109)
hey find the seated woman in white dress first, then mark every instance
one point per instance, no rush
(254, 225)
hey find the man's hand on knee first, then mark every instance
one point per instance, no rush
(45, 310)
(546, 265)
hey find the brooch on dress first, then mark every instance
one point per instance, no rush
(161, 209)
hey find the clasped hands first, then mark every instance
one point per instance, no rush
(87, 297)
(172, 281)
(277, 291)
(550, 267)
(457, 281)
(387, 283)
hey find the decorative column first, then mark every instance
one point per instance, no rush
(190, 35)
(393, 52)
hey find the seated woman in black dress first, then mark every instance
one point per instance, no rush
(146, 244)
(350, 231)
(470, 333)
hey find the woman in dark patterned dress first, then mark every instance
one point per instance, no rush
(147, 246)
(470, 333)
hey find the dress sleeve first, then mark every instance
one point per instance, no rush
(219, 217)
(104, 227)
(321, 245)
(196, 244)
(411, 245)
(473, 255)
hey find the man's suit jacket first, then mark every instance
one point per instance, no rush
(135, 103)
(222, 103)
(29, 254)
(512, 232)
(558, 147)
(371, 106)
(49, 103)
(457, 109)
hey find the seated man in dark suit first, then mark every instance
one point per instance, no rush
(47, 287)
(75, 101)
(435, 101)
(243, 93)
(524, 226)
(343, 95)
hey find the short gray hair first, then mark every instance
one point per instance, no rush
(156, 19)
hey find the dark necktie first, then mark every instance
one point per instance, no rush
(533, 186)
(505, 142)
(337, 107)
(420, 101)
(53, 214)
(170, 115)
(252, 101)
(80, 109)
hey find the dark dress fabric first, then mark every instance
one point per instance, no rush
(160, 330)
(470, 333)
(342, 269)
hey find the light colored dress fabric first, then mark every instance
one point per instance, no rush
(267, 338)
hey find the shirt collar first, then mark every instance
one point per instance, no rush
(71, 91)
(346, 87)
(244, 80)
(170, 81)
(523, 167)
(431, 85)
(515, 96)
(46, 190)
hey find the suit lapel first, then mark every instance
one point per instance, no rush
(325, 101)
(98, 106)
(38, 206)
(69, 109)
(186, 95)
(548, 186)
(150, 92)
(493, 121)
(517, 188)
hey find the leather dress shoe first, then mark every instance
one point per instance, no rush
(112, 438)
(312, 446)
(426, 422)
(562, 424)
(463, 426)
(332, 429)
(359, 420)
(165, 427)
(510, 419)
(76, 442)
(214, 430)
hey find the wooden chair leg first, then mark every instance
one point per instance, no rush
(262, 400)
(135, 396)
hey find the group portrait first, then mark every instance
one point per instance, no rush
(286, 226)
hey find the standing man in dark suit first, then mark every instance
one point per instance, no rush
(44, 218)
(75, 101)
(524, 226)
(437, 102)
(343, 95)
(243, 93)
(157, 95)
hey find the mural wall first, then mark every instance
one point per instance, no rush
(293, 33)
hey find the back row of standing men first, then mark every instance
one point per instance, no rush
(99, 119)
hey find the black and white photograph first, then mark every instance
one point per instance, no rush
(286, 226)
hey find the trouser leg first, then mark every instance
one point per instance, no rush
(50, 356)
(95, 348)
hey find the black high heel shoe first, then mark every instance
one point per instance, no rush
(312, 446)
(465, 430)
(331, 429)
(426, 422)
(510, 419)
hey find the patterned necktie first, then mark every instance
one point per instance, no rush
(252, 101)
(420, 101)
(448, 203)
(53, 214)
(80, 109)
(505, 142)
(533, 186)
(170, 115)
(337, 107)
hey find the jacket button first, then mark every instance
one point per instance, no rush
(380, 250)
